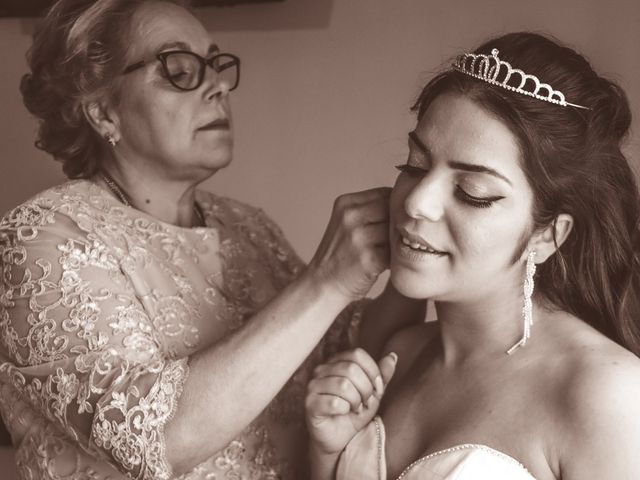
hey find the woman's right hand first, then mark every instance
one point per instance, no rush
(343, 397)
(355, 247)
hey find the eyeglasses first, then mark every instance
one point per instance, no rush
(185, 70)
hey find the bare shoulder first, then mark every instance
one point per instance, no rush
(605, 381)
(599, 413)
(408, 342)
(601, 376)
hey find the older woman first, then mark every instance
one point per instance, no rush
(150, 329)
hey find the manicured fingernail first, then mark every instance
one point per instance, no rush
(379, 386)
(369, 400)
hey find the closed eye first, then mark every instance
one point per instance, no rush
(478, 202)
(178, 75)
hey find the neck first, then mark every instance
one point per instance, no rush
(171, 201)
(482, 328)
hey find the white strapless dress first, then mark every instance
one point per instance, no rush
(364, 459)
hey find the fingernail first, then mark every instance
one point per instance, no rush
(360, 408)
(379, 386)
(369, 400)
(394, 357)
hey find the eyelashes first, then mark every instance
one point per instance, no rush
(476, 202)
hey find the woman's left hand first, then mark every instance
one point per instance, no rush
(344, 396)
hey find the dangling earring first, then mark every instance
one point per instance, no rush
(527, 307)
(109, 138)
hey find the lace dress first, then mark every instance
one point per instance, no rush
(364, 459)
(100, 305)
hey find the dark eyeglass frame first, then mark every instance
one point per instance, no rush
(228, 59)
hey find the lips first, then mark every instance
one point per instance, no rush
(417, 243)
(217, 124)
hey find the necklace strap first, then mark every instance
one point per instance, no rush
(124, 198)
(199, 214)
(115, 189)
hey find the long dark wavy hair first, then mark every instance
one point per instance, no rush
(573, 161)
(77, 55)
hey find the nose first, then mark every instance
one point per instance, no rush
(425, 200)
(216, 87)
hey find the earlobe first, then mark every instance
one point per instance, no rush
(549, 240)
(100, 119)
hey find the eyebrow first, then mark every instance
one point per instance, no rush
(185, 46)
(467, 167)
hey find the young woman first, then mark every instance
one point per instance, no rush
(514, 178)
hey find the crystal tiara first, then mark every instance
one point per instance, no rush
(492, 70)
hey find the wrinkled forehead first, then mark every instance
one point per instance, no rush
(156, 25)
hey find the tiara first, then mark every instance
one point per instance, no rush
(492, 70)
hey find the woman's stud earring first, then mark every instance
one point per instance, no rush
(109, 138)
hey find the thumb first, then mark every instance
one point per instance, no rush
(387, 366)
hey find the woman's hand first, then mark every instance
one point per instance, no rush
(343, 397)
(355, 247)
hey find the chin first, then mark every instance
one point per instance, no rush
(217, 154)
(410, 284)
(201, 169)
(217, 163)
(212, 161)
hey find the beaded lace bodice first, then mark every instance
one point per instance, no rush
(100, 306)
(364, 459)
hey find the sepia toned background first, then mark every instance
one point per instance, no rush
(323, 104)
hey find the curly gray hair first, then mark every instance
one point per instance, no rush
(77, 53)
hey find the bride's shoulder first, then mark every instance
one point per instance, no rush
(588, 387)
(599, 372)
(589, 367)
(599, 412)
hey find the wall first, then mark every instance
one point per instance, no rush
(326, 87)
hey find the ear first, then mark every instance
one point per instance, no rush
(543, 243)
(102, 119)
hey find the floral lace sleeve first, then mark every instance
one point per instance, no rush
(343, 333)
(78, 346)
